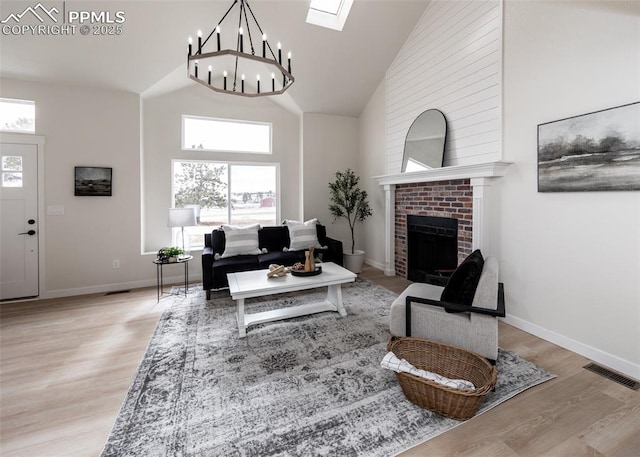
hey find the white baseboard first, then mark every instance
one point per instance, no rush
(379, 266)
(104, 288)
(596, 355)
(374, 264)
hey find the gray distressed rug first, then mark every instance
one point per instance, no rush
(300, 387)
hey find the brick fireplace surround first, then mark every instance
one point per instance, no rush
(452, 199)
(463, 192)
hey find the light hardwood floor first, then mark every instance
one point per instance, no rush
(67, 363)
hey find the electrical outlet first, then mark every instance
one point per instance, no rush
(116, 263)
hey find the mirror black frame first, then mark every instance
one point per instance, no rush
(406, 156)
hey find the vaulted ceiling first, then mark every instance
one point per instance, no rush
(336, 72)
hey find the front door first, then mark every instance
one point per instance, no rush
(18, 221)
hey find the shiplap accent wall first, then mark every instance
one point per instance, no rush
(452, 61)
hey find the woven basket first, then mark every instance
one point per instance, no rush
(448, 361)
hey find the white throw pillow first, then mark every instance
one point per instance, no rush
(302, 234)
(241, 240)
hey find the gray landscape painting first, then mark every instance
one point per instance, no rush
(93, 182)
(593, 152)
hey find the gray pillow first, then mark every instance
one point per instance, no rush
(241, 240)
(303, 234)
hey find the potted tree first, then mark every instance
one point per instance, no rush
(347, 200)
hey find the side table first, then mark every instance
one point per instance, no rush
(159, 279)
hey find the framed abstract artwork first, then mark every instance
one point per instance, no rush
(598, 151)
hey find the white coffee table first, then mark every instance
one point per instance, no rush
(250, 284)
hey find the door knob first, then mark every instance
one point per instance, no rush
(30, 233)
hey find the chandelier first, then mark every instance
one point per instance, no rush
(227, 70)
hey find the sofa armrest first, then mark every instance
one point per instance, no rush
(208, 257)
(334, 249)
(498, 312)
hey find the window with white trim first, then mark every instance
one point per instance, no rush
(17, 115)
(225, 193)
(331, 14)
(225, 135)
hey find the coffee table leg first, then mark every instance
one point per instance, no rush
(242, 329)
(334, 295)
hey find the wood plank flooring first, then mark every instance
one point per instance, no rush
(66, 365)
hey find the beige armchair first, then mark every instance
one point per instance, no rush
(419, 312)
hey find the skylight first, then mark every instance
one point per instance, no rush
(331, 14)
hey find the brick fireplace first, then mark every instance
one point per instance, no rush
(462, 192)
(448, 199)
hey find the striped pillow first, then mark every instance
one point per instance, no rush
(241, 240)
(303, 234)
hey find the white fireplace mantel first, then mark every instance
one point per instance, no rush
(480, 175)
(480, 170)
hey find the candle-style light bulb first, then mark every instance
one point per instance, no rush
(264, 45)
(225, 79)
(279, 53)
(258, 80)
(209, 79)
(241, 32)
(218, 35)
(196, 68)
(190, 45)
(199, 41)
(273, 82)
(289, 60)
(243, 83)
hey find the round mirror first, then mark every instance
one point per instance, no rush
(424, 145)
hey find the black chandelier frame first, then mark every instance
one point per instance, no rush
(200, 57)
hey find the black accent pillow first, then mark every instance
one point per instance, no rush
(463, 282)
(273, 238)
(322, 234)
(218, 241)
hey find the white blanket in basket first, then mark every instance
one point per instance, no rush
(391, 362)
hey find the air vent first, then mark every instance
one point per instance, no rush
(118, 292)
(620, 379)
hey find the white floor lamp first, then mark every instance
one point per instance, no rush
(182, 217)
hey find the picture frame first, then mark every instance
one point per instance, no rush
(597, 151)
(93, 181)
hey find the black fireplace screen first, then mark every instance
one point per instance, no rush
(432, 246)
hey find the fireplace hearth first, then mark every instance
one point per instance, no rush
(432, 247)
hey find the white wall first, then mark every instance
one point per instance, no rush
(451, 62)
(330, 144)
(371, 162)
(570, 261)
(163, 136)
(88, 127)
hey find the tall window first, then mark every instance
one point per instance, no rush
(17, 115)
(225, 193)
(226, 135)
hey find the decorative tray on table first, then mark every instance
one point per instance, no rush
(315, 272)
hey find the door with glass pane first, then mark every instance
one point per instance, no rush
(19, 221)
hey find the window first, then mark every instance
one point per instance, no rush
(11, 171)
(226, 135)
(225, 193)
(17, 115)
(331, 14)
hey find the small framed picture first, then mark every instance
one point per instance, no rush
(93, 181)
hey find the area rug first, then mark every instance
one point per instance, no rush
(309, 386)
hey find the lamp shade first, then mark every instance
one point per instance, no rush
(181, 217)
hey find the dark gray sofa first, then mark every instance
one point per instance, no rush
(274, 239)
